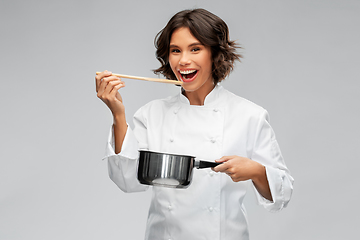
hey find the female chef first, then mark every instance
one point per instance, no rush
(203, 120)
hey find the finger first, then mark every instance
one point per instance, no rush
(104, 82)
(103, 74)
(230, 172)
(100, 76)
(107, 79)
(105, 89)
(112, 87)
(223, 159)
(234, 178)
(221, 167)
(116, 88)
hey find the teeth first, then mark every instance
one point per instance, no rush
(186, 71)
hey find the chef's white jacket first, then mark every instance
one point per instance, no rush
(212, 206)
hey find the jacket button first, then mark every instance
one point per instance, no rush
(211, 173)
(171, 140)
(216, 110)
(211, 209)
(170, 208)
(213, 140)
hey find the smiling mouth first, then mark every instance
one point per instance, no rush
(188, 75)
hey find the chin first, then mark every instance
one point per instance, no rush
(188, 87)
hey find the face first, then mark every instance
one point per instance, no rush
(190, 61)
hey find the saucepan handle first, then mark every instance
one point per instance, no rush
(205, 164)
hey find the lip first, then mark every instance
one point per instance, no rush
(190, 79)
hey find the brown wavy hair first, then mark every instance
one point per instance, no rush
(210, 30)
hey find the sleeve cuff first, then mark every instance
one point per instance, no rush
(280, 187)
(129, 148)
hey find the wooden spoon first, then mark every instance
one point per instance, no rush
(147, 79)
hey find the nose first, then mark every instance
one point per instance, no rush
(184, 60)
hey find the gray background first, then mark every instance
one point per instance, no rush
(301, 64)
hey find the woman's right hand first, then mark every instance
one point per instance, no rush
(107, 86)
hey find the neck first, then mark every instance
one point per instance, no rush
(198, 97)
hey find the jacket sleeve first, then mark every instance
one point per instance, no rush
(122, 167)
(267, 152)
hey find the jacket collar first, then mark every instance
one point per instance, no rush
(210, 99)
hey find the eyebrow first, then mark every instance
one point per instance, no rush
(191, 45)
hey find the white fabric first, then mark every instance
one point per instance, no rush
(212, 206)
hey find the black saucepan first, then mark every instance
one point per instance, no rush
(168, 170)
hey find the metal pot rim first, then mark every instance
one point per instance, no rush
(169, 154)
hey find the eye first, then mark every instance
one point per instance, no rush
(174, 50)
(196, 49)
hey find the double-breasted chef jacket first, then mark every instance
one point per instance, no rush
(212, 206)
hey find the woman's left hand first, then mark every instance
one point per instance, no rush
(242, 169)
(239, 168)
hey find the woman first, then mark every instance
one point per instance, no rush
(203, 120)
